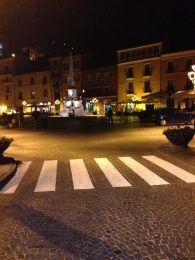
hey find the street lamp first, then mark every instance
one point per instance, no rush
(24, 103)
(57, 105)
(191, 76)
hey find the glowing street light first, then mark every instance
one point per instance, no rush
(57, 102)
(191, 76)
(24, 103)
(95, 100)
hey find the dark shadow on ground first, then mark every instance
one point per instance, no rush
(63, 237)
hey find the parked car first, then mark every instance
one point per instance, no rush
(172, 116)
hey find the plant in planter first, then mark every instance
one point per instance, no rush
(179, 136)
(4, 144)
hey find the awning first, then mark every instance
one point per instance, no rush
(185, 94)
(156, 95)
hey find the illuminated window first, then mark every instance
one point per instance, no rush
(33, 94)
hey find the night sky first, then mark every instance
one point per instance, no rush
(91, 24)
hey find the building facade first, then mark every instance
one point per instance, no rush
(33, 90)
(7, 90)
(99, 88)
(138, 74)
(144, 77)
(174, 77)
(147, 77)
(60, 77)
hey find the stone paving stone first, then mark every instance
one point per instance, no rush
(104, 225)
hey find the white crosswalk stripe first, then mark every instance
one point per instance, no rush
(81, 179)
(80, 176)
(12, 185)
(171, 168)
(47, 178)
(112, 174)
(148, 176)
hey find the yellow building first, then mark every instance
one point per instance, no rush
(138, 73)
(33, 90)
(7, 92)
(174, 69)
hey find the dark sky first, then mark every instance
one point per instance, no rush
(91, 24)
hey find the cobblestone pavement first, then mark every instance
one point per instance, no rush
(138, 222)
(157, 223)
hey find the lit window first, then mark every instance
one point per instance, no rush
(33, 94)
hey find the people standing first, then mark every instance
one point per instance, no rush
(35, 115)
(110, 115)
(20, 117)
(44, 116)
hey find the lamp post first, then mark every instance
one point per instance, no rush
(191, 76)
(57, 106)
(24, 103)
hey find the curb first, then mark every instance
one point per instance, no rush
(8, 174)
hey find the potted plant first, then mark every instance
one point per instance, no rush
(179, 136)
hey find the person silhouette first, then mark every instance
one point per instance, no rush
(110, 115)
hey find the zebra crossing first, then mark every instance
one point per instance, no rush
(81, 179)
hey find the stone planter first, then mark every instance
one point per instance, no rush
(179, 136)
(4, 144)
